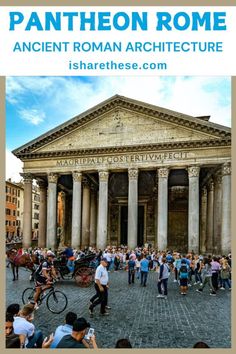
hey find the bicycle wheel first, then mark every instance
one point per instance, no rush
(57, 301)
(28, 295)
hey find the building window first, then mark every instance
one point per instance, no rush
(8, 211)
(18, 204)
(36, 216)
(36, 206)
(36, 198)
(14, 200)
(18, 213)
(13, 223)
(18, 193)
(14, 212)
(8, 189)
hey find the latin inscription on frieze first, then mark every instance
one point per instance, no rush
(123, 159)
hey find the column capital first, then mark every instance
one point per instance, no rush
(163, 172)
(28, 177)
(103, 175)
(193, 171)
(133, 173)
(53, 177)
(226, 169)
(77, 176)
(218, 178)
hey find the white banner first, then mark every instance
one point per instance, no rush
(142, 41)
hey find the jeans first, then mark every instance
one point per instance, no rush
(164, 282)
(144, 278)
(131, 274)
(208, 281)
(226, 281)
(197, 276)
(137, 273)
(36, 340)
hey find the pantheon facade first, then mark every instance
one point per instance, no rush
(127, 172)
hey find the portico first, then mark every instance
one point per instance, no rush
(129, 172)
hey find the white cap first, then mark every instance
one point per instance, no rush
(50, 253)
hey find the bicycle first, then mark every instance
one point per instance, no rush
(54, 299)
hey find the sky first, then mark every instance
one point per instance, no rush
(35, 105)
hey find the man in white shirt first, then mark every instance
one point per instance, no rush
(23, 326)
(101, 287)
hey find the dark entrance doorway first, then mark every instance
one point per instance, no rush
(124, 225)
(140, 225)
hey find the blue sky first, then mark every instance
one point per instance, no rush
(36, 104)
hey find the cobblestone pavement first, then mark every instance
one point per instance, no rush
(137, 314)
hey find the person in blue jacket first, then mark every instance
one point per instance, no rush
(144, 266)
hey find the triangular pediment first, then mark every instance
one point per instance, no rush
(120, 122)
(120, 128)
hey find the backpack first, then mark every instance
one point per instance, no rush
(38, 270)
(183, 272)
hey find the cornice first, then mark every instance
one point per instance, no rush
(127, 149)
(135, 106)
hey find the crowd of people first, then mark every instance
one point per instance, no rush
(187, 270)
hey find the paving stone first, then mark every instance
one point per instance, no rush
(137, 314)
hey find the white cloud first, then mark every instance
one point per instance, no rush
(32, 116)
(13, 167)
(64, 97)
(184, 95)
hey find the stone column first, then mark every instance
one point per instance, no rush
(217, 214)
(193, 209)
(226, 208)
(27, 216)
(76, 210)
(52, 211)
(86, 213)
(133, 208)
(210, 216)
(42, 214)
(93, 216)
(203, 220)
(162, 208)
(102, 210)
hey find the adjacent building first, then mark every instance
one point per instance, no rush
(11, 210)
(127, 172)
(15, 211)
